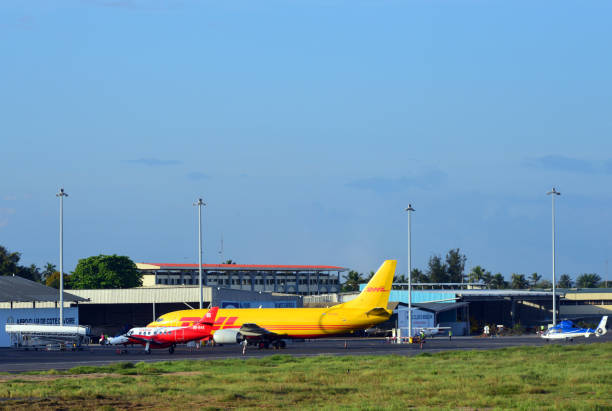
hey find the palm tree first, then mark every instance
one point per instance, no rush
(498, 282)
(487, 278)
(565, 281)
(519, 282)
(47, 271)
(476, 274)
(534, 278)
(401, 279)
(588, 280)
(353, 279)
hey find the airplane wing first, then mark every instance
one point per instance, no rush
(251, 330)
(145, 340)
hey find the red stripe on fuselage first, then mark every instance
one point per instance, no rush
(230, 322)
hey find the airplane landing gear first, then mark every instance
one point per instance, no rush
(171, 349)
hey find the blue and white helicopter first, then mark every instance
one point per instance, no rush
(567, 331)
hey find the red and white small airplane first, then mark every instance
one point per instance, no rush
(168, 337)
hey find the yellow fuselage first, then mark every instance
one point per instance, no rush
(292, 322)
(367, 309)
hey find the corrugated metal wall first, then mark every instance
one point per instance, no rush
(144, 295)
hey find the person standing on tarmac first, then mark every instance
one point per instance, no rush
(422, 338)
(450, 335)
(244, 345)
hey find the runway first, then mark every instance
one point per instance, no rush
(13, 360)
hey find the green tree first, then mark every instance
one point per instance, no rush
(565, 281)
(487, 278)
(105, 271)
(478, 274)
(8, 261)
(9, 265)
(53, 280)
(498, 282)
(229, 262)
(588, 280)
(401, 279)
(437, 270)
(32, 272)
(47, 271)
(544, 284)
(455, 265)
(352, 281)
(419, 276)
(534, 278)
(519, 282)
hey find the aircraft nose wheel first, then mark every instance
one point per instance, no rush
(171, 349)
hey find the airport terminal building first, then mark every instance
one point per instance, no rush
(288, 279)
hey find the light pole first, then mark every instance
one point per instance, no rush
(554, 193)
(200, 203)
(409, 209)
(61, 196)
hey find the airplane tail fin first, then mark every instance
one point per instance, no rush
(601, 328)
(209, 318)
(376, 292)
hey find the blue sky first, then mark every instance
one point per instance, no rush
(307, 127)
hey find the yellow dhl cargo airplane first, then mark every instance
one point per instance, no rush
(265, 325)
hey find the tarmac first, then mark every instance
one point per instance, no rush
(18, 360)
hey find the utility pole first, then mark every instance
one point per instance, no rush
(200, 203)
(61, 194)
(554, 193)
(409, 209)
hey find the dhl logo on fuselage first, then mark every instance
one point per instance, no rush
(375, 290)
(219, 322)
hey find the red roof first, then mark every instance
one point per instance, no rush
(250, 267)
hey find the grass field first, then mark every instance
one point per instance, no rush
(568, 377)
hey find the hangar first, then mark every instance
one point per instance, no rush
(508, 307)
(113, 310)
(293, 279)
(27, 302)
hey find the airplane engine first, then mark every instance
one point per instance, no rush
(228, 336)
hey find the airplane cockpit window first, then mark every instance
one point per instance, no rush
(160, 320)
